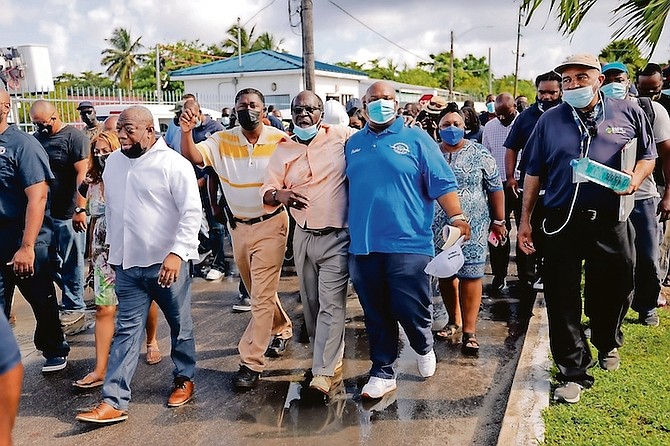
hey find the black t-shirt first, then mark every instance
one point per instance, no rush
(65, 148)
(23, 163)
(520, 134)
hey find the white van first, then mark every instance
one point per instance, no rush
(162, 113)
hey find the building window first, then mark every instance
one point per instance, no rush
(280, 101)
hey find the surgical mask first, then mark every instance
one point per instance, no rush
(615, 90)
(546, 105)
(225, 121)
(198, 123)
(44, 129)
(381, 111)
(136, 150)
(491, 107)
(666, 92)
(452, 135)
(579, 97)
(249, 119)
(307, 133)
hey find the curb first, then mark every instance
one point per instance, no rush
(529, 395)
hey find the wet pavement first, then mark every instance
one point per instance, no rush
(463, 403)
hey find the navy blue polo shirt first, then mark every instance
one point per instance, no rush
(23, 162)
(394, 178)
(522, 128)
(556, 141)
(10, 355)
(64, 148)
(206, 129)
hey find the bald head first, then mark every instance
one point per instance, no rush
(4, 96)
(138, 114)
(380, 90)
(110, 123)
(42, 110)
(505, 108)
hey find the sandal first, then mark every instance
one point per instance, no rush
(448, 332)
(470, 345)
(666, 282)
(153, 354)
(89, 381)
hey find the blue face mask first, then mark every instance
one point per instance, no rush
(491, 107)
(579, 97)
(307, 133)
(452, 135)
(666, 92)
(381, 111)
(615, 90)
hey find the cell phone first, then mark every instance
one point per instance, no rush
(493, 239)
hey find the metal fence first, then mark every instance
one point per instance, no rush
(66, 100)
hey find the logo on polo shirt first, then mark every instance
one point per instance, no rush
(2, 150)
(616, 130)
(355, 151)
(400, 148)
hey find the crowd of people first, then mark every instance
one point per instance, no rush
(365, 192)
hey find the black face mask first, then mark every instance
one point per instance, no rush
(102, 160)
(546, 105)
(135, 151)
(44, 129)
(248, 119)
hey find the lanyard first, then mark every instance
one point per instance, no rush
(585, 135)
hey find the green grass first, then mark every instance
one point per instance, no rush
(630, 406)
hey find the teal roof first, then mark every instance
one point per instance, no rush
(264, 60)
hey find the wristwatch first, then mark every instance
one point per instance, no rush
(274, 197)
(79, 210)
(457, 217)
(499, 222)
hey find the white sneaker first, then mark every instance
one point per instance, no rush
(377, 387)
(539, 285)
(214, 274)
(426, 363)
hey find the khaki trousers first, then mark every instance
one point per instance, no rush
(259, 253)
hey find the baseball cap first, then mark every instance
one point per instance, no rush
(584, 60)
(436, 104)
(618, 66)
(85, 104)
(448, 262)
(178, 106)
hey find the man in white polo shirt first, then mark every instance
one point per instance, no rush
(240, 156)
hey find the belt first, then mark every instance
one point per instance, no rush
(585, 214)
(320, 232)
(253, 221)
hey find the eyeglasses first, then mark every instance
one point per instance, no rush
(38, 123)
(298, 109)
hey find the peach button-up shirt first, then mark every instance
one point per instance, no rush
(316, 171)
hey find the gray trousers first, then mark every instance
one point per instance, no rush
(321, 264)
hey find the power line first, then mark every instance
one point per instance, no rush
(379, 34)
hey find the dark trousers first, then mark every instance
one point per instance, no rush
(40, 293)
(499, 255)
(605, 245)
(647, 231)
(393, 288)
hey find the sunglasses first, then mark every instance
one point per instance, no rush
(298, 110)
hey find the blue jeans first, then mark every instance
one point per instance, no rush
(70, 246)
(393, 288)
(647, 233)
(136, 287)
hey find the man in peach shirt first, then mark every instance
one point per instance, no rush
(307, 174)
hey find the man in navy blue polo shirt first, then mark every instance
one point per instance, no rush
(27, 232)
(395, 174)
(582, 220)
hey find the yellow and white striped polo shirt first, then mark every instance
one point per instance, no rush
(241, 166)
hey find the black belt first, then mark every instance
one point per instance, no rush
(320, 232)
(585, 214)
(253, 221)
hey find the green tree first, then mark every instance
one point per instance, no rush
(267, 41)
(230, 44)
(86, 79)
(641, 20)
(123, 57)
(625, 51)
(524, 87)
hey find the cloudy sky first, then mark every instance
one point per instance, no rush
(75, 30)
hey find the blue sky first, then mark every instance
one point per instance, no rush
(75, 30)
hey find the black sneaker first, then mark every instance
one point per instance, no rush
(276, 348)
(650, 318)
(246, 378)
(54, 364)
(498, 284)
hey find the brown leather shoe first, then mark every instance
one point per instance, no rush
(103, 414)
(182, 392)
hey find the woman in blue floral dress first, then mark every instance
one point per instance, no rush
(482, 200)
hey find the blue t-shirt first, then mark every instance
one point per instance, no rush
(394, 176)
(10, 355)
(556, 141)
(23, 162)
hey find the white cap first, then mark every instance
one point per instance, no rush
(448, 262)
(450, 234)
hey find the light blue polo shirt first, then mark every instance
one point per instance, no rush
(394, 178)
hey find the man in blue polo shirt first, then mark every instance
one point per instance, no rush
(582, 220)
(395, 174)
(27, 234)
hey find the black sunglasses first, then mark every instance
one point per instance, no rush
(298, 109)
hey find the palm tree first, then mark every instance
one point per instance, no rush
(641, 20)
(123, 58)
(266, 41)
(230, 44)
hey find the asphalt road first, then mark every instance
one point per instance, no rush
(463, 403)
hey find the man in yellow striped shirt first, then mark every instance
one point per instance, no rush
(240, 156)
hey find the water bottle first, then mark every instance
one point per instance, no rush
(601, 174)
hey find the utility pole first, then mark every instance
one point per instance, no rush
(239, 43)
(306, 19)
(451, 68)
(516, 65)
(490, 74)
(159, 90)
